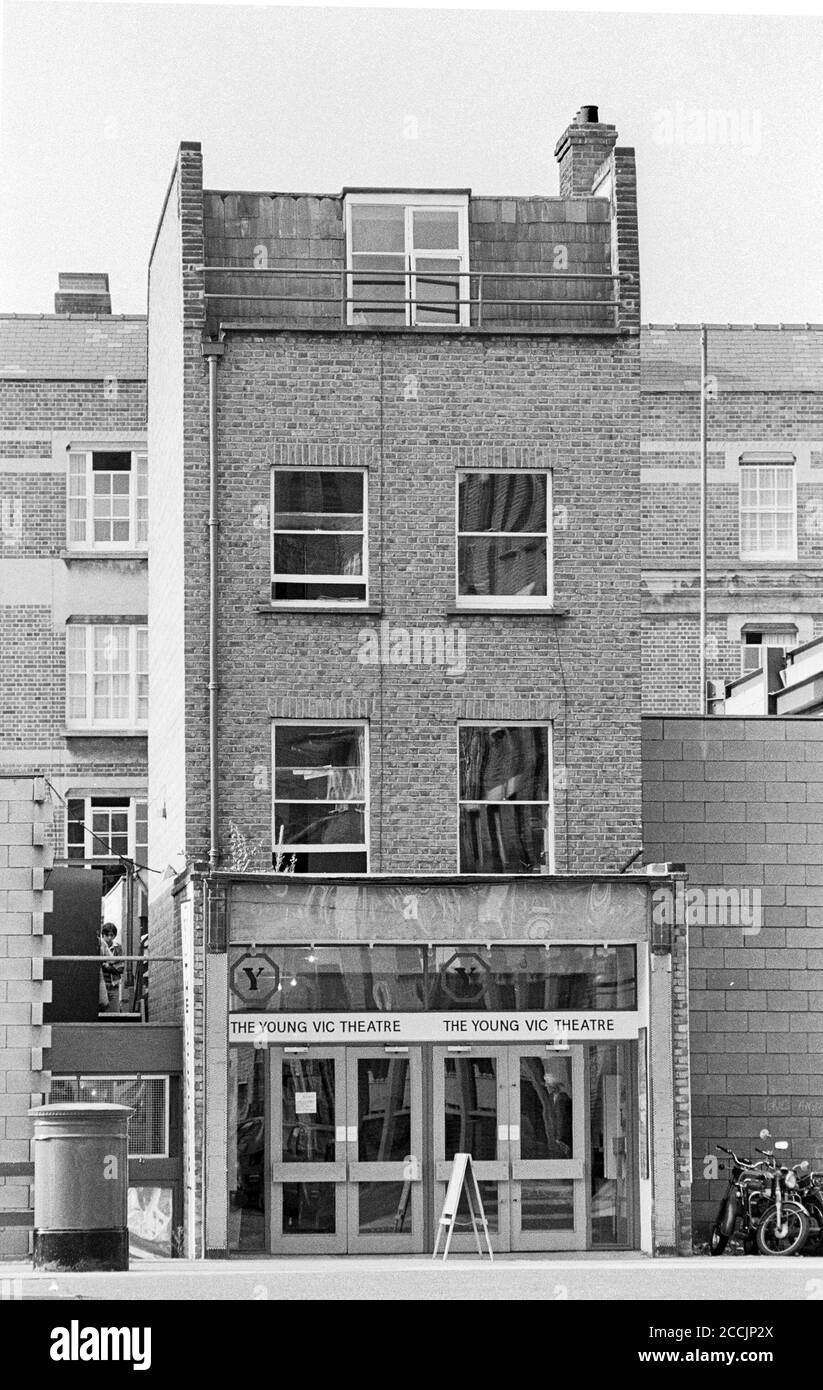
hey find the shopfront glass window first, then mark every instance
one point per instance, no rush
(247, 1148)
(329, 979)
(531, 978)
(609, 1123)
(593, 977)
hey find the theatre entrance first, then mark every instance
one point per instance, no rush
(361, 1140)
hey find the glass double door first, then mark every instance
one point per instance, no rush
(362, 1142)
(347, 1141)
(520, 1113)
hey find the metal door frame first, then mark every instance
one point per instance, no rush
(486, 1170)
(546, 1170)
(409, 1171)
(281, 1172)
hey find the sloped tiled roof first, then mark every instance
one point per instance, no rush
(50, 347)
(743, 357)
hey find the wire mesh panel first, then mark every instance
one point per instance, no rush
(148, 1097)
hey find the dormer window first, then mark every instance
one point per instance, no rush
(408, 260)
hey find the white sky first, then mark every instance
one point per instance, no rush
(96, 97)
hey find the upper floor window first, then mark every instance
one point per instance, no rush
(319, 541)
(505, 799)
(408, 258)
(754, 642)
(107, 676)
(320, 787)
(504, 539)
(108, 499)
(768, 511)
(106, 828)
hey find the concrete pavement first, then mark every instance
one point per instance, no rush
(585, 1277)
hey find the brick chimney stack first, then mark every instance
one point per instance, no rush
(82, 293)
(581, 150)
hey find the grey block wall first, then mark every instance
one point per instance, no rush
(740, 802)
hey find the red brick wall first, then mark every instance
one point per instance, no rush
(573, 403)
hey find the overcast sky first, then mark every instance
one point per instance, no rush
(96, 97)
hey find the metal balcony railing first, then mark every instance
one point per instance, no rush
(531, 300)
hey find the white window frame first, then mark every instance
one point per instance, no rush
(445, 202)
(138, 473)
(768, 630)
(504, 723)
(321, 602)
(89, 721)
(86, 1077)
(288, 850)
(767, 555)
(486, 601)
(91, 846)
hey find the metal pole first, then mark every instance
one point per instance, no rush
(213, 350)
(703, 513)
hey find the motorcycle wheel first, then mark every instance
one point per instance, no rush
(797, 1224)
(717, 1240)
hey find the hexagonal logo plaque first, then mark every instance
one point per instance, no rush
(465, 977)
(254, 979)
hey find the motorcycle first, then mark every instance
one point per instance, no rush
(784, 1224)
(744, 1201)
(810, 1189)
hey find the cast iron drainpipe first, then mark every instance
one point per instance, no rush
(212, 349)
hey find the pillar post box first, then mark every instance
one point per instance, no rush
(81, 1180)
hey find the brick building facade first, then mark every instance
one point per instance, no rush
(444, 391)
(765, 502)
(73, 556)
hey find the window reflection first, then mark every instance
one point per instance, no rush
(546, 1109)
(470, 1117)
(247, 1148)
(383, 1109)
(609, 1102)
(408, 979)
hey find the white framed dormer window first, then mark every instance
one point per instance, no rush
(108, 499)
(505, 798)
(504, 539)
(107, 676)
(408, 258)
(319, 536)
(320, 811)
(754, 642)
(768, 510)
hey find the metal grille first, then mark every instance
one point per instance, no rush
(147, 1095)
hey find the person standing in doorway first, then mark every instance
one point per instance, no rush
(111, 969)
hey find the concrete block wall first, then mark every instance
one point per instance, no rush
(25, 858)
(740, 802)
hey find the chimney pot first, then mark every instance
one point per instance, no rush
(581, 151)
